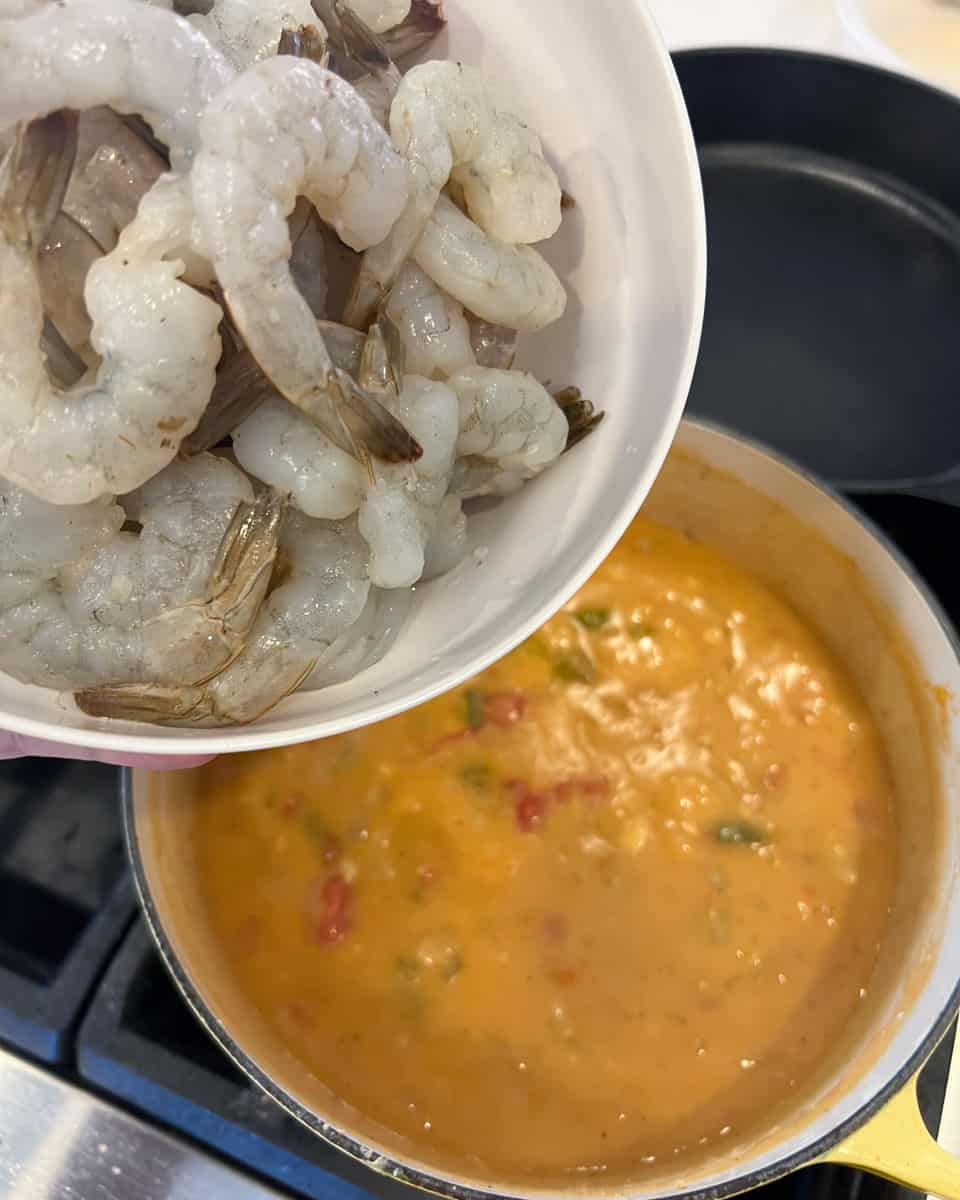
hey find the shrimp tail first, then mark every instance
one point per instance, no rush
(421, 25)
(200, 705)
(35, 174)
(241, 388)
(63, 363)
(581, 415)
(383, 358)
(306, 42)
(218, 625)
(358, 423)
(245, 560)
(357, 49)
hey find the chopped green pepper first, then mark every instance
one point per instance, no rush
(574, 667)
(473, 703)
(593, 618)
(478, 776)
(740, 833)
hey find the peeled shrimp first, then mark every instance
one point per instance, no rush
(247, 31)
(511, 429)
(506, 285)
(445, 123)
(157, 339)
(431, 325)
(325, 594)
(83, 603)
(400, 509)
(278, 445)
(286, 127)
(134, 57)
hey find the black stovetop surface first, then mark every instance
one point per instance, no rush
(83, 990)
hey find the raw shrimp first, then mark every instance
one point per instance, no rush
(248, 31)
(445, 123)
(506, 285)
(511, 428)
(157, 339)
(285, 127)
(277, 444)
(82, 602)
(400, 509)
(134, 57)
(303, 625)
(434, 331)
(381, 15)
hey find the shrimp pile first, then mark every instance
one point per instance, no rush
(262, 289)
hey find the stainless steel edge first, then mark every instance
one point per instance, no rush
(60, 1143)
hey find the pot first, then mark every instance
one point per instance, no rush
(877, 617)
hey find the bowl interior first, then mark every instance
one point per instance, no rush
(847, 586)
(601, 90)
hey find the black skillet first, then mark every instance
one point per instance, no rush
(833, 302)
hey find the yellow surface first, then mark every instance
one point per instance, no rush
(606, 905)
(897, 1146)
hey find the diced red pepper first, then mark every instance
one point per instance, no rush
(530, 811)
(529, 807)
(330, 905)
(503, 708)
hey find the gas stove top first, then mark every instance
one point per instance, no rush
(84, 995)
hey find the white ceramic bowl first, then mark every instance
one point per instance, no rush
(596, 81)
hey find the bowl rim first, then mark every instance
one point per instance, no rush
(818, 1146)
(170, 742)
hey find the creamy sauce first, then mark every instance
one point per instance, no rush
(608, 904)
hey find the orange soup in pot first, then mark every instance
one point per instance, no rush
(606, 904)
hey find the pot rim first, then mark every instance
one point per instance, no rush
(384, 1165)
